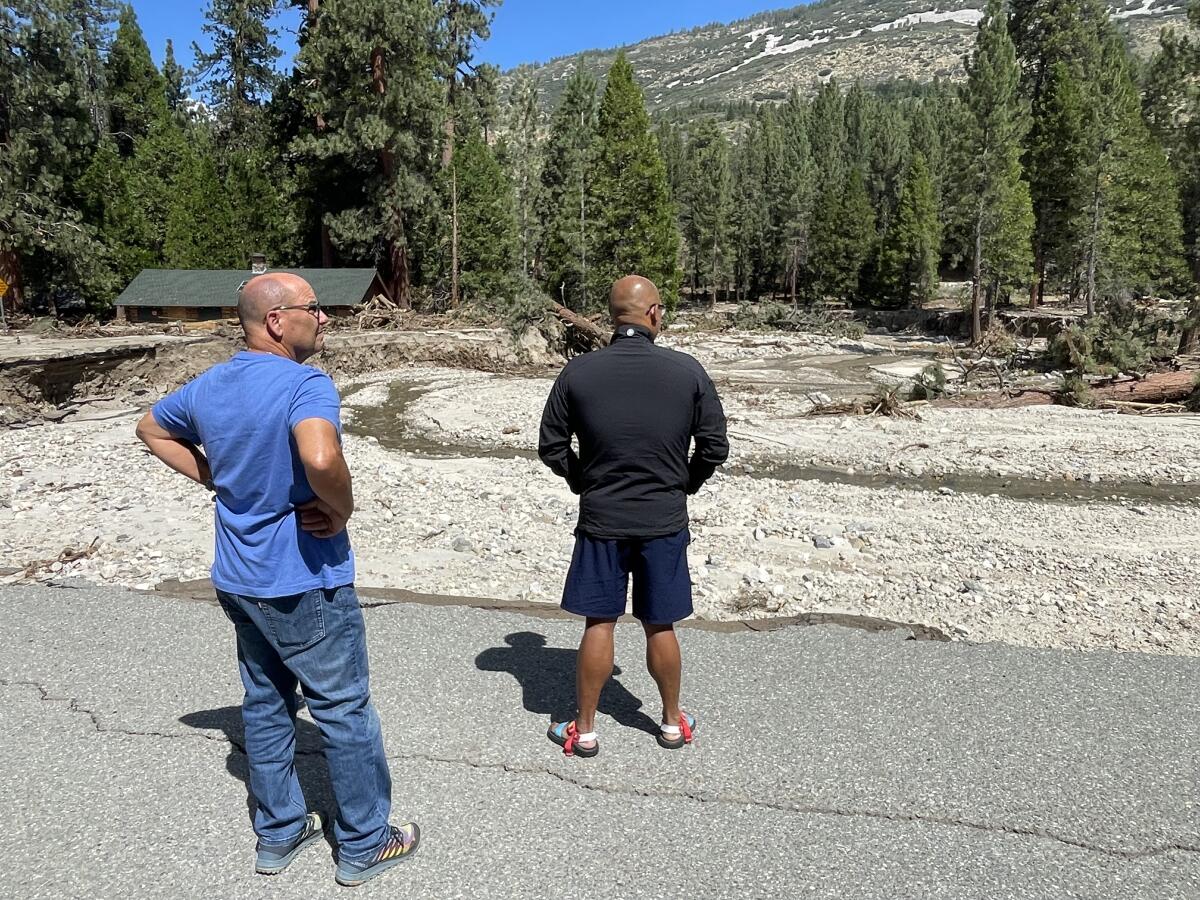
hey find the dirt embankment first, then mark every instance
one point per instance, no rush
(48, 378)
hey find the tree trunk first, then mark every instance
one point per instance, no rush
(1189, 338)
(976, 283)
(453, 236)
(399, 274)
(10, 271)
(795, 270)
(594, 334)
(1093, 241)
(1168, 387)
(326, 247)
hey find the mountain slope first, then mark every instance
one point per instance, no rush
(765, 56)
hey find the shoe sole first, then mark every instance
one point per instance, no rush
(276, 868)
(581, 752)
(367, 874)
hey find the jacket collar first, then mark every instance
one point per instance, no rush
(628, 331)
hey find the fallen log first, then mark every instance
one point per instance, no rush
(591, 333)
(1165, 387)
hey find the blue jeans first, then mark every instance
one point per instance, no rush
(316, 640)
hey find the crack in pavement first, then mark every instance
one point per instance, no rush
(669, 794)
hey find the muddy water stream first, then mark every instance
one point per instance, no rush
(388, 424)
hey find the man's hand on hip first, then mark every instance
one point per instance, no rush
(320, 519)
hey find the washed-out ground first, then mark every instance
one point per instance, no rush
(1045, 527)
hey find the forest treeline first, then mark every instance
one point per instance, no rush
(1062, 165)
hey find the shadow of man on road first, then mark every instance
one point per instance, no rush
(309, 757)
(547, 679)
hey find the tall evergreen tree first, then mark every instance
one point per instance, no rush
(461, 23)
(524, 159)
(751, 214)
(843, 237)
(372, 85)
(238, 71)
(137, 92)
(793, 188)
(1059, 45)
(1172, 107)
(636, 230)
(909, 250)
(827, 134)
(46, 137)
(568, 240)
(991, 195)
(1134, 238)
(173, 78)
(705, 207)
(490, 240)
(92, 23)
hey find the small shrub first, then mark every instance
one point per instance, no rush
(931, 383)
(771, 315)
(1075, 392)
(1123, 338)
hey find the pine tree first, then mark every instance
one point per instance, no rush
(1171, 99)
(1059, 44)
(636, 231)
(199, 230)
(524, 159)
(793, 188)
(671, 147)
(372, 84)
(137, 92)
(173, 77)
(92, 21)
(489, 240)
(461, 23)
(751, 215)
(990, 193)
(238, 71)
(568, 239)
(46, 138)
(705, 207)
(843, 237)
(827, 134)
(909, 250)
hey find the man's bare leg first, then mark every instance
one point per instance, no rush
(665, 665)
(593, 668)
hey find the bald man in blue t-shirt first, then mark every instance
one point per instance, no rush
(263, 432)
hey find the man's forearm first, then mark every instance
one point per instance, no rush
(182, 456)
(331, 483)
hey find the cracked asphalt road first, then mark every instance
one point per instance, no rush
(829, 763)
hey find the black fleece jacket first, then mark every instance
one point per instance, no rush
(635, 408)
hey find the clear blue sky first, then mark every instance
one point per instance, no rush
(524, 30)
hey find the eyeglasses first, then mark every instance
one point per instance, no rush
(313, 307)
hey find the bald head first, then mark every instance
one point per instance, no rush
(263, 293)
(630, 301)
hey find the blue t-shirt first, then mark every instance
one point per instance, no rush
(242, 412)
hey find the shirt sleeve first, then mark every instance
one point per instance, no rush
(173, 413)
(708, 429)
(315, 397)
(554, 438)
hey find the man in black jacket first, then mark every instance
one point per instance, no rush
(635, 408)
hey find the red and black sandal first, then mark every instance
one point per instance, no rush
(567, 736)
(673, 737)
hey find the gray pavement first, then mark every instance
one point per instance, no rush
(829, 763)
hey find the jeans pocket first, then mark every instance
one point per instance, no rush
(296, 622)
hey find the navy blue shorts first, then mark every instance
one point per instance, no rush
(598, 581)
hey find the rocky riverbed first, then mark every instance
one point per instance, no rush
(1042, 526)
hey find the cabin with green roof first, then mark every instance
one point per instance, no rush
(196, 295)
